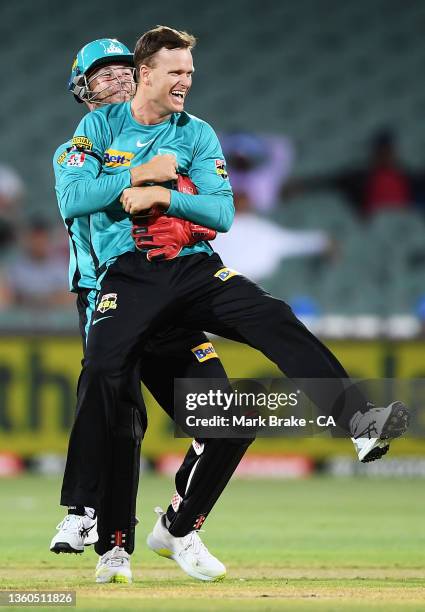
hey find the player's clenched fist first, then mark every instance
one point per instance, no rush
(163, 168)
(159, 169)
(137, 199)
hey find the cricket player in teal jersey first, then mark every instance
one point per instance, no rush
(190, 287)
(107, 67)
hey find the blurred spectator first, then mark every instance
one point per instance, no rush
(11, 194)
(384, 184)
(257, 165)
(36, 278)
(256, 245)
(11, 191)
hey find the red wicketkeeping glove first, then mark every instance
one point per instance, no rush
(185, 185)
(163, 237)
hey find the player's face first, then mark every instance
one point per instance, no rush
(112, 83)
(170, 79)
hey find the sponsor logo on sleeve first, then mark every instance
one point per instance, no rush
(113, 158)
(220, 168)
(82, 142)
(108, 301)
(225, 273)
(204, 351)
(76, 160)
(62, 157)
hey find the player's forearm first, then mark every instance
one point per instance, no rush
(140, 175)
(80, 197)
(213, 211)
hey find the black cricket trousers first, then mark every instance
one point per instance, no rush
(208, 464)
(139, 298)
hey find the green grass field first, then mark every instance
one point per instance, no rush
(318, 544)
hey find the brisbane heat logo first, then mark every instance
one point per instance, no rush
(113, 47)
(107, 302)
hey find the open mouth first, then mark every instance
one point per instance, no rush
(177, 95)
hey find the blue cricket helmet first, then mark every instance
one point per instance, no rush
(95, 53)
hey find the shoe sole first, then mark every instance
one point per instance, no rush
(115, 580)
(397, 422)
(153, 544)
(168, 554)
(376, 453)
(394, 427)
(196, 575)
(91, 542)
(64, 547)
(121, 580)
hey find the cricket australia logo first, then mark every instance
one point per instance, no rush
(107, 302)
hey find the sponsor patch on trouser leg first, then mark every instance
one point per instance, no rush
(199, 521)
(176, 501)
(225, 273)
(204, 351)
(118, 538)
(198, 447)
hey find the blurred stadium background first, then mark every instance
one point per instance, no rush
(320, 108)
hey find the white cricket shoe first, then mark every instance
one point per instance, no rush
(114, 566)
(188, 551)
(377, 452)
(74, 532)
(373, 430)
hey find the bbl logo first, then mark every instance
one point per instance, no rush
(220, 168)
(108, 302)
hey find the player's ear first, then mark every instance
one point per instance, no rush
(144, 75)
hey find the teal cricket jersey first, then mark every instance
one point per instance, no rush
(95, 171)
(82, 269)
